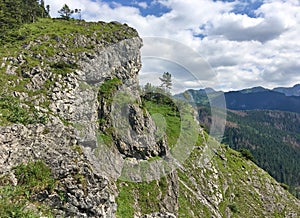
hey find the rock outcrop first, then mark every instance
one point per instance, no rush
(86, 192)
(78, 114)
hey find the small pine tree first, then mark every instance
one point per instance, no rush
(166, 81)
(65, 12)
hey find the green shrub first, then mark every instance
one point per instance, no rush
(247, 154)
(108, 88)
(12, 112)
(63, 67)
(233, 208)
(285, 186)
(34, 175)
(32, 178)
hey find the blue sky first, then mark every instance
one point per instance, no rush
(150, 7)
(146, 7)
(246, 42)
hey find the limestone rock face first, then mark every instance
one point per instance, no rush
(121, 61)
(76, 107)
(138, 139)
(57, 146)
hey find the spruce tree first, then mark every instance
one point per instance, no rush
(65, 12)
(166, 81)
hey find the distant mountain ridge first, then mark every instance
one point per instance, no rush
(289, 91)
(254, 90)
(256, 98)
(262, 100)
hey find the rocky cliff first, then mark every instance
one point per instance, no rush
(71, 105)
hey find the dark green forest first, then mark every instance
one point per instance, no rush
(273, 137)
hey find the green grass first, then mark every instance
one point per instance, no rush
(32, 178)
(63, 68)
(171, 116)
(34, 174)
(11, 111)
(147, 195)
(106, 137)
(108, 89)
(67, 30)
(125, 200)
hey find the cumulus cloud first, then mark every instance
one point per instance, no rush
(244, 28)
(243, 50)
(185, 64)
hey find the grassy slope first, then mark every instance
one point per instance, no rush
(243, 189)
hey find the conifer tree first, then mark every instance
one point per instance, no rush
(166, 81)
(65, 12)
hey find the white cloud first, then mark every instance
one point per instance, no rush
(243, 51)
(143, 5)
(243, 28)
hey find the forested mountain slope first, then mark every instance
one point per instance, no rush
(273, 137)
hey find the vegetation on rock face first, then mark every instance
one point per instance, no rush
(15, 200)
(143, 198)
(12, 112)
(35, 175)
(108, 89)
(157, 103)
(106, 93)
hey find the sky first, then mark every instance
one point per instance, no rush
(223, 44)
